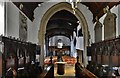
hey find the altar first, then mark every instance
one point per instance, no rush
(60, 68)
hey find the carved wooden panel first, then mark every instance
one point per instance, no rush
(119, 59)
(105, 59)
(94, 58)
(99, 59)
(22, 27)
(98, 31)
(107, 52)
(110, 26)
(114, 60)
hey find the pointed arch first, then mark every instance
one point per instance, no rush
(49, 13)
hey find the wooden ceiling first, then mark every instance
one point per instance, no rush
(95, 7)
(28, 8)
(63, 22)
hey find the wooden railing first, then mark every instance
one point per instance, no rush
(48, 72)
(82, 72)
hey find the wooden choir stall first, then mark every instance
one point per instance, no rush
(105, 58)
(17, 58)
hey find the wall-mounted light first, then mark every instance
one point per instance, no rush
(21, 6)
(39, 5)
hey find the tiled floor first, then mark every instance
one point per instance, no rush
(69, 72)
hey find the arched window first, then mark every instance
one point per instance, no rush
(59, 43)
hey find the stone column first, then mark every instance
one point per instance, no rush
(72, 48)
(80, 55)
(47, 45)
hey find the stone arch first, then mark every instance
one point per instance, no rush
(49, 13)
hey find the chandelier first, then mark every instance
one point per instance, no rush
(74, 4)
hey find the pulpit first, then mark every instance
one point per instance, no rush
(60, 68)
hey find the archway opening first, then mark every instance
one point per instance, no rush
(45, 20)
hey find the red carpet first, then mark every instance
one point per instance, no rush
(68, 59)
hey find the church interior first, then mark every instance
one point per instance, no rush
(60, 39)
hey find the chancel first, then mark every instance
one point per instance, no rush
(60, 39)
